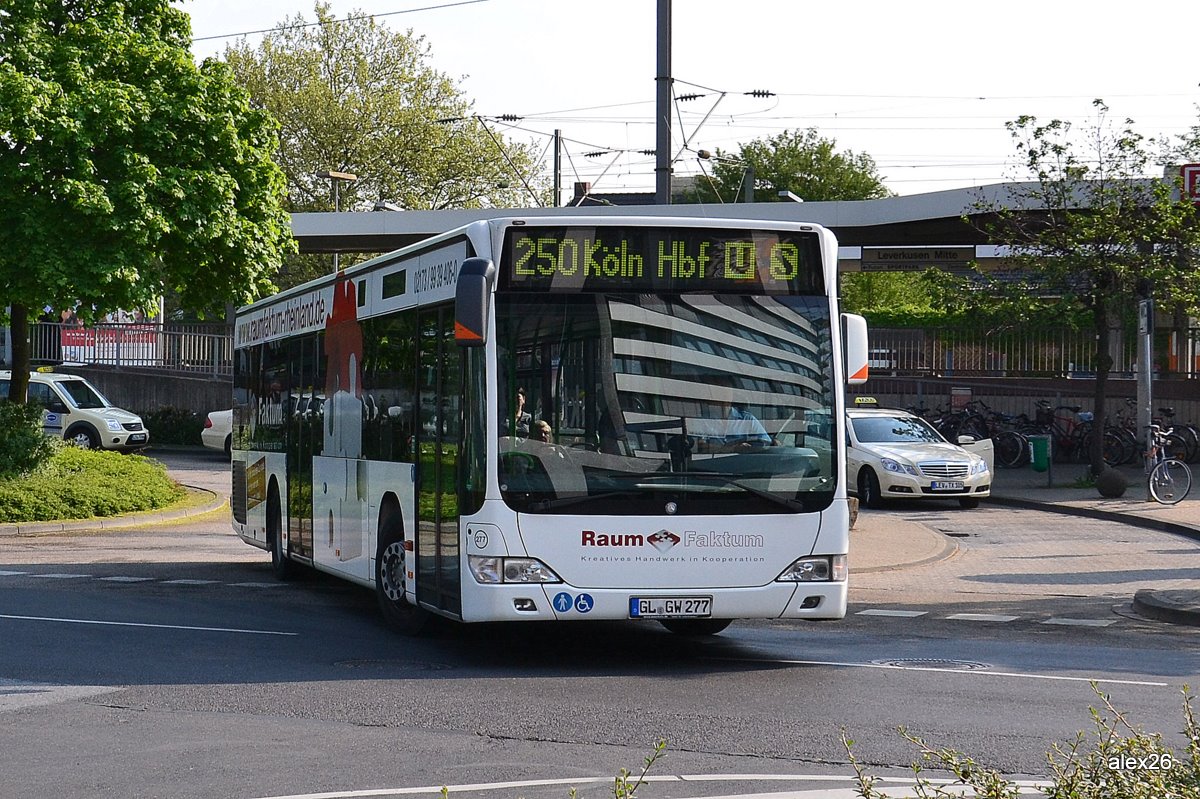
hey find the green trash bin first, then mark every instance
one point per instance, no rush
(1040, 445)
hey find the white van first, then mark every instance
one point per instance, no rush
(76, 412)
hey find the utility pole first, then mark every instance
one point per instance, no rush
(662, 108)
(335, 178)
(1145, 370)
(554, 202)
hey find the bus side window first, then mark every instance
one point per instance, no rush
(389, 384)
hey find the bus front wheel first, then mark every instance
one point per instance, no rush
(391, 578)
(281, 567)
(695, 627)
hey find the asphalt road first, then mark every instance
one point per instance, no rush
(167, 662)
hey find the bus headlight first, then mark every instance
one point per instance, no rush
(487, 569)
(815, 570)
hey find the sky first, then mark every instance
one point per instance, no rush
(923, 87)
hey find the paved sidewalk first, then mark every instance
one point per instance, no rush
(1061, 490)
(1056, 490)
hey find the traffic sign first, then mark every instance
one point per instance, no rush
(1191, 181)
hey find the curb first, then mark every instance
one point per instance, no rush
(1174, 607)
(214, 502)
(1185, 530)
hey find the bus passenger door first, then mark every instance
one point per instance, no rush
(439, 425)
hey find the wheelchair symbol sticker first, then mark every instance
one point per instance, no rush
(563, 602)
(583, 603)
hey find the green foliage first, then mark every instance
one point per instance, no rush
(354, 96)
(897, 292)
(937, 300)
(82, 484)
(171, 425)
(125, 168)
(624, 787)
(23, 446)
(1123, 762)
(800, 161)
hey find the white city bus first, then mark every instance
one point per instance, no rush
(561, 417)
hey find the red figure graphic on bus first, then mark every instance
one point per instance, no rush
(343, 373)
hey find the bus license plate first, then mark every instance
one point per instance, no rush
(946, 485)
(670, 607)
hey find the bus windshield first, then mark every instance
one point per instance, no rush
(689, 403)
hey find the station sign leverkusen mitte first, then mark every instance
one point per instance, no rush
(916, 259)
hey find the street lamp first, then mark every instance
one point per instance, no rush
(787, 195)
(335, 178)
(384, 205)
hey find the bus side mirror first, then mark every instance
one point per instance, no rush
(471, 302)
(854, 348)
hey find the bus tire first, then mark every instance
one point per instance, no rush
(391, 570)
(695, 628)
(281, 566)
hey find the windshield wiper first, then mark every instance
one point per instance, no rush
(566, 502)
(730, 479)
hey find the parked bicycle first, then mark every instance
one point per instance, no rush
(1168, 479)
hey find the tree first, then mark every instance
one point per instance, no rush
(354, 96)
(801, 161)
(125, 169)
(929, 294)
(1092, 229)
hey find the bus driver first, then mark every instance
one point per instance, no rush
(730, 428)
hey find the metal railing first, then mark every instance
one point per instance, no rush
(208, 349)
(200, 349)
(1017, 353)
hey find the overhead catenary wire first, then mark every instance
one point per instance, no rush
(349, 18)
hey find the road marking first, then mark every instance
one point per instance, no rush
(982, 617)
(189, 582)
(900, 614)
(903, 786)
(144, 624)
(1081, 622)
(971, 672)
(126, 579)
(11, 574)
(60, 576)
(258, 585)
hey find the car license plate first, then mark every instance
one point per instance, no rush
(670, 607)
(136, 437)
(946, 485)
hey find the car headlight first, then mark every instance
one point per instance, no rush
(815, 570)
(488, 569)
(890, 465)
(113, 425)
(979, 467)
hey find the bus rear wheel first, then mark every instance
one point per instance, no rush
(695, 628)
(391, 576)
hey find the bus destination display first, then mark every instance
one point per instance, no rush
(651, 259)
